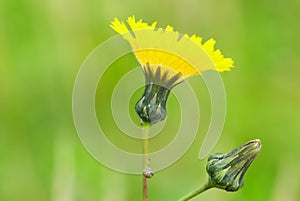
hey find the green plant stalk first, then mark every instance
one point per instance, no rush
(145, 159)
(196, 192)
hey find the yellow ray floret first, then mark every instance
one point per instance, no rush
(163, 47)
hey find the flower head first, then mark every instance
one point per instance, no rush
(167, 58)
(226, 171)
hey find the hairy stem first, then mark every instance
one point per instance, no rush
(196, 192)
(145, 189)
(145, 160)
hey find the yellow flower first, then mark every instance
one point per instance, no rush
(164, 47)
(167, 58)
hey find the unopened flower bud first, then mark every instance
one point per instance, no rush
(226, 171)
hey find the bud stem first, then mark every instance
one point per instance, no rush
(196, 192)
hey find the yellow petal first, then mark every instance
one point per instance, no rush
(170, 50)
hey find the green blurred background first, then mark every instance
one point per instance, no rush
(42, 46)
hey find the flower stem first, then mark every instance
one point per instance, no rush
(145, 189)
(145, 160)
(196, 192)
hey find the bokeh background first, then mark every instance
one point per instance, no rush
(44, 43)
